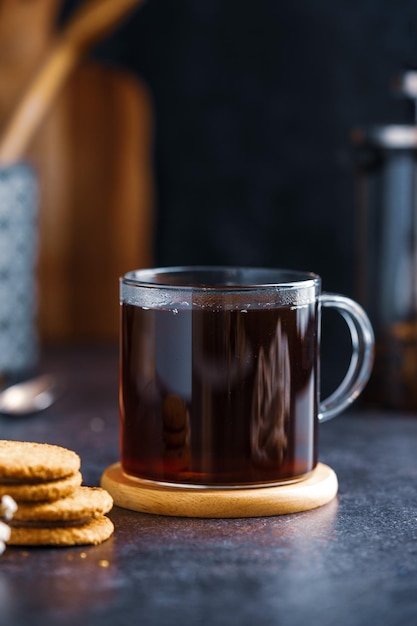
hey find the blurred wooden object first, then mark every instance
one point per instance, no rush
(91, 21)
(94, 161)
(93, 157)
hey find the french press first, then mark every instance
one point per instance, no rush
(386, 251)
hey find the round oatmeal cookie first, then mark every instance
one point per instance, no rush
(28, 461)
(93, 532)
(84, 503)
(39, 492)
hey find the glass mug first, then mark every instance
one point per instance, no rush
(219, 374)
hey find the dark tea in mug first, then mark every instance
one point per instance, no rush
(219, 376)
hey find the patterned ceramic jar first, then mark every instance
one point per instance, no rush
(18, 251)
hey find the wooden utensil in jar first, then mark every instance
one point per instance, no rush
(87, 129)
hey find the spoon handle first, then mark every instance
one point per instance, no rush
(91, 21)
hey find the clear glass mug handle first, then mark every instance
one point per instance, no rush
(362, 358)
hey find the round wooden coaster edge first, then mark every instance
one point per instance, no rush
(315, 491)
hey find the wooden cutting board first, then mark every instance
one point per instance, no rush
(94, 160)
(93, 156)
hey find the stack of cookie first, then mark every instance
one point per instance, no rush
(53, 508)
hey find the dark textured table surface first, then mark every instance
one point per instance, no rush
(351, 562)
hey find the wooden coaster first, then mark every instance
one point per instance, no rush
(132, 493)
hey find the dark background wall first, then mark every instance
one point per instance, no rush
(254, 103)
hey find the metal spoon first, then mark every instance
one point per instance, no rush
(29, 396)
